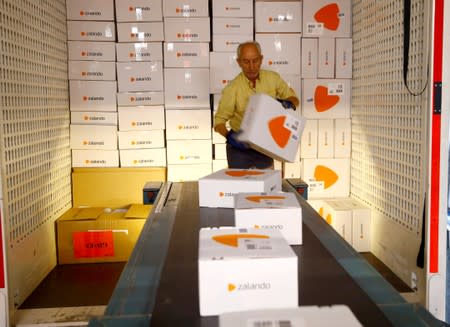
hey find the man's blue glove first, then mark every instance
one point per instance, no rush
(287, 104)
(233, 141)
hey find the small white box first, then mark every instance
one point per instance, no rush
(140, 51)
(92, 70)
(195, 29)
(223, 69)
(219, 164)
(96, 51)
(218, 189)
(138, 10)
(361, 228)
(192, 87)
(327, 18)
(308, 144)
(281, 52)
(229, 42)
(140, 32)
(95, 158)
(140, 98)
(91, 31)
(185, 124)
(90, 10)
(325, 143)
(271, 129)
(142, 118)
(292, 169)
(342, 138)
(232, 25)
(310, 50)
(344, 57)
(140, 76)
(93, 95)
(93, 118)
(220, 151)
(184, 173)
(278, 17)
(276, 210)
(143, 158)
(232, 8)
(185, 8)
(93, 137)
(326, 98)
(186, 152)
(259, 270)
(141, 139)
(186, 54)
(326, 58)
(339, 216)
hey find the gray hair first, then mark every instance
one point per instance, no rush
(243, 44)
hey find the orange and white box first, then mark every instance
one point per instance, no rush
(139, 51)
(93, 118)
(185, 152)
(271, 129)
(361, 225)
(142, 118)
(342, 138)
(220, 151)
(219, 164)
(192, 87)
(140, 76)
(327, 178)
(325, 144)
(93, 137)
(90, 10)
(232, 8)
(186, 8)
(140, 98)
(186, 54)
(281, 52)
(140, 32)
(259, 270)
(344, 57)
(278, 17)
(92, 70)
(93, 95)
(139, 11)
(196, 29)
(310, 50)
(292, 169)
(326, 98)
(232, 25)
(91, 31)
(184, 173)
(95, 51)
(276, 210)
(95, 158)
(194, 124)
(143, 158)
(223, 69)
(229, 42)
(327, 18)
(308, 144)
(218, 189)
(339, 216)
(326, 58)
(141, 139)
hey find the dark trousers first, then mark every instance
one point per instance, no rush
(246, 159)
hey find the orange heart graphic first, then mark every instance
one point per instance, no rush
(242, 173)
(328, 15)
(322, 100)
(325, 174)
(259, 198)
(280, 134)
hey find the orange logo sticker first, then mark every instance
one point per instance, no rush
(243, 173)
(328, 15)
(321, 211)
(329, 219)
(231, 287)
(259, 198)
(130, 8)
(325, 174)
(232, 239)
(280, 134)
(322, 100)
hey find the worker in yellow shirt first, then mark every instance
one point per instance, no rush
(234, 99)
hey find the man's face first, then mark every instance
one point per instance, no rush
(250, 61)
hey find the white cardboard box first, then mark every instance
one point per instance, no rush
(229, 42)
(140, 76)
(196, 29)
(259, 270)
(95, 158)
(142, 118)
(192, 87)
(188, 152)
(183, 173)
(139, 51)
(361, 228)
(310, 50)
(92, 70)
(232, 8)
(96, 51)
(275, 210)
(325, 144)
(93, 137)
(278, 17)
(185, 8)
(232, 25)
(219, 164)
(326, 58)
(143, 158)
(90, 10)
(342, 138)
(141, 139)
(93, 118)
(308, 144)
(186, 54)
(188, 124)
(223, 69)
(339, 216)
(93, 95)
(217, 190)
(140, 98)
(90, 31)
(140, 32)
(220, 151)
(271, 129)
(344, 57)
(138, 10)
(292, 169)
(327, 18)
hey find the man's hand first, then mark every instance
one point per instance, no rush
(287, 104)
(232, 139)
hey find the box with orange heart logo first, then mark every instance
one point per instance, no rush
(271, 129)
(218, 189)
(245, 268)
(275, 210)
(327, 18)
(278, 17)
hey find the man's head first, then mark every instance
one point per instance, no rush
(249, 58)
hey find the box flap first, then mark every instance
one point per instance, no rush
(140, 211)
(88, 213)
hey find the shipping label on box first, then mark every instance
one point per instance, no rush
(186, 29)
(139, 11)
(95, 158)
(276, 210)
(140, 32)
(186, 54)
(246, 278)
(93, 118)
(140, 76)
(308, 144)
(95, 51)
(185, 152)
(327, 18)
(91, 31)
(142, 118)
(218, 189)
(310, 50)
(143, 157)
(232, 25)
(184, 173)
(344, 57)
(326, 98)
(229, 42)
(223, 69)
(93, 95)
(141, 139)
(93, 137)
(92, 70)
(339, 216)
(139, 51)
(278, 17)
(186, 8)
(325, 144)
(192, 87)
(342, 138)
(326, 58)
(90, 10)
(232, 8)
(188, 124)
(140, 98)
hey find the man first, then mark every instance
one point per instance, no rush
(234, 101)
